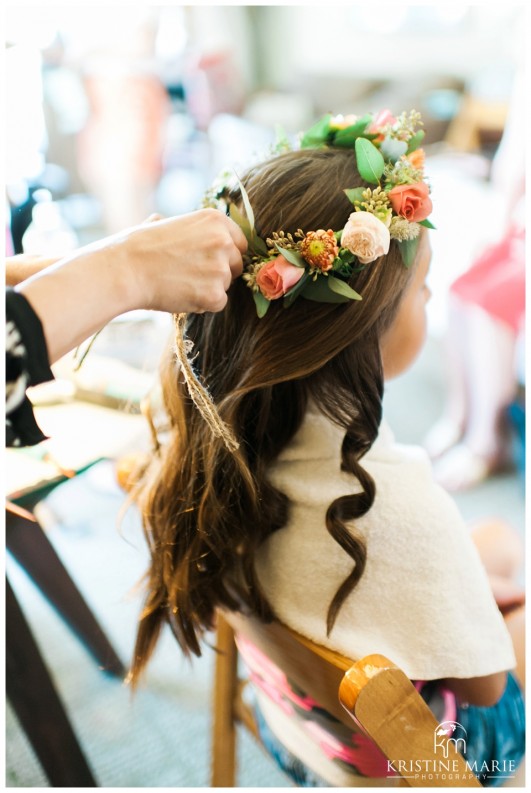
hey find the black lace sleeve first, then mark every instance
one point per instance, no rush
(26, 365)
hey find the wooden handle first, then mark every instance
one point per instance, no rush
(358, 676)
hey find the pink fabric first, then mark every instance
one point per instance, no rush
(496, 280)
(359, 752)
(450, 705)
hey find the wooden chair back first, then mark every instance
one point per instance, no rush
(371, 695)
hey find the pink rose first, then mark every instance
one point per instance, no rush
(411, 201)
(277, 277)
(381, 119)
(365, 236)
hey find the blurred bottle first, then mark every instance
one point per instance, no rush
(48, 234)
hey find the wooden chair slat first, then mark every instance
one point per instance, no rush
(371, 695)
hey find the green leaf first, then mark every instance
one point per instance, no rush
(293, 257)
(262, 304)
(354, 194)
(282, 142)
(259, 245)
(319, 291)
(318, 134)
(247, 204)
(408, 250)
(256, 243)
(241, 221)
(369, 161)
(342, 288)
(415, 141)
(346, 138)
(361, 124)
(295, 291)
(346, 256)
(322, 291)
(427, 224)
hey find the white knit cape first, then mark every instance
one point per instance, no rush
(424, 600)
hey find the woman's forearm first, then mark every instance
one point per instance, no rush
(24, 265)
(77, 296)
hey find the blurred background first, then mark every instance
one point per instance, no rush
(120, 111)
(114, 112)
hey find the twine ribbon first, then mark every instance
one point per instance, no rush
(198, 393)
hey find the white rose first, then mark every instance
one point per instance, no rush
(365, 236)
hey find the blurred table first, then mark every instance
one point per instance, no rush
(80, 434)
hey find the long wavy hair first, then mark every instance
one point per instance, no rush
(206, 509)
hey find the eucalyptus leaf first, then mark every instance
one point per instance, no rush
(427, 224)
(293, 257)
(393, 149)
(259, 245)
(408, 251)
(295, 291)
(415, 141)
(369, 161)
(262, 304)
(320, 291)
(354, 194)
(342, 288)
(317, 134)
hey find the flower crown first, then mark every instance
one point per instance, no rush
(317, 265)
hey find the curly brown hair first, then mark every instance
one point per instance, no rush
(207, 509)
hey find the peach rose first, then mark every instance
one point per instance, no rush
(277, 277)
(411, 201)
(417, 159)
(365, 236)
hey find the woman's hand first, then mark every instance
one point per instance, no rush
(183, 264)
(177, 265)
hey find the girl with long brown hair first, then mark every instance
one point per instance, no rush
(301, 505)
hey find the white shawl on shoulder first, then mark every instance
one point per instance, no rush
(424, 600)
